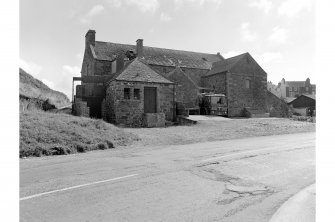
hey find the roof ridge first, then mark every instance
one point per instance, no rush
(142, 62)
(161, 48)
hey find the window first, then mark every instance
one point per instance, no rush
(247, 83)
(126, 93)
(136, 93)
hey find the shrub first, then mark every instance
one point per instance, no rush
(102, 146)
(296, 114)
(304, 118)
(110, 144)
(245, 113)
(60, 150)
(80, 147)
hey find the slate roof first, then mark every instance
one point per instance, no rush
(138, 71)
(306, 95)
(174, 74)
(158, 56)
(225, 65)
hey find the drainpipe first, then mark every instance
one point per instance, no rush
(227, 91)
(72, 91)
(174, 103)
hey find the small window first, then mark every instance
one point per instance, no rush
(136, 93)
(126, 93)
(247, 83)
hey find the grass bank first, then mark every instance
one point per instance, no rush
(206, 131)
(43, 133)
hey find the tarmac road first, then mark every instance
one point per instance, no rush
(233, 180)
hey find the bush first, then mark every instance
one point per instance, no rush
(60, 150)
(110, 144)
(245, 113)
(102, 146)
(303, 118)
(296, 114)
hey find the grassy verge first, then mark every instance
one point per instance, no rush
(206, 131)
(304, 118)
(43, 133)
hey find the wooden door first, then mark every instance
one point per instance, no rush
(150, 99)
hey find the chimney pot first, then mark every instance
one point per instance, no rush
(139, 47)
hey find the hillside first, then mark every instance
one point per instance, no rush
(33, 93)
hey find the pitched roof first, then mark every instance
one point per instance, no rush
(174, 75)
(309, 96)
(137, 71)
(289, 99)
(158, 56)
(305, 95)
(225, 65)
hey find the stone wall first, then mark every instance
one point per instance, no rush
(276, 107)
(154, 119)
(130, 112)
(80, 108)
(103, 67)
(87, 68)
(239, 96)
(186, 90)
(215, 82)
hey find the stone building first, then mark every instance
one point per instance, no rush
(242, 80)
(138, 96)
(114, 76)
(186, 90)
(304, 105)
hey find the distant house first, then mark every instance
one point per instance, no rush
(136, 84)
(296, 88)
(274, 89)
(304, 105)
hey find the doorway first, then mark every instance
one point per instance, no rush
(150, 99)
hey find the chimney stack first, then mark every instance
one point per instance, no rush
(90, 38)
(139, 47)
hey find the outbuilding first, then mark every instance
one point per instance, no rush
(138, 96)
(304, 105)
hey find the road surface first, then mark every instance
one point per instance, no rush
(233, 180)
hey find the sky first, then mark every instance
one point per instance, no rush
(280, 35)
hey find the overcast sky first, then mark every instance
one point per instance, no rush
(280, 35)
